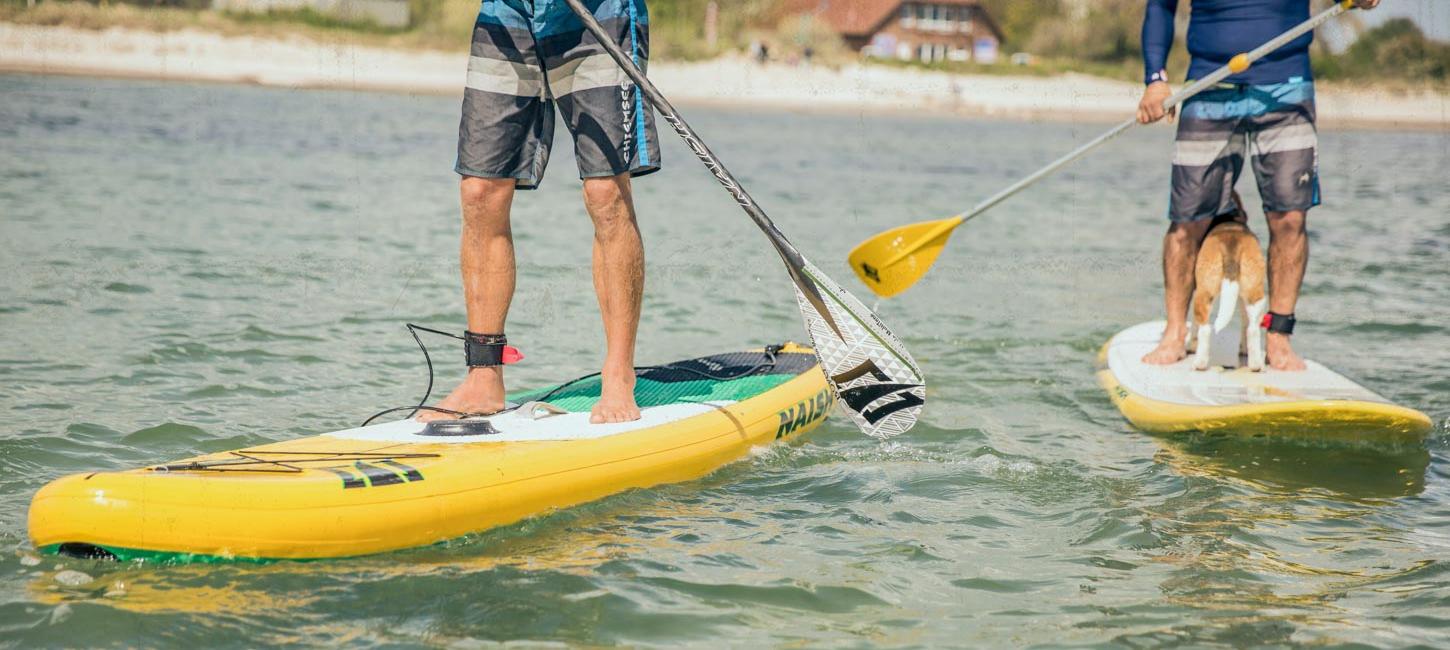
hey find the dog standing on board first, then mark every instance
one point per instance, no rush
(1231, 269)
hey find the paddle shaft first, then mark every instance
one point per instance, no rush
(1177, 98)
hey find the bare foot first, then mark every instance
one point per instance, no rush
(1281, 354)
(616, 400)
(1170, 350)
(480, 392)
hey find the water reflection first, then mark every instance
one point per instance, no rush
(1269, 538)
(1348, 471)
(569, 545)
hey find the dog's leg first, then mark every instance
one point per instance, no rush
(1253, 333)
(1202, 328)
(1243, 308)
(1200, 356)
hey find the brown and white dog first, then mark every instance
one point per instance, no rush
(1230, 268)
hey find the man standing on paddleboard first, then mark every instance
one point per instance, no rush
(528, 59)
(1265, 113)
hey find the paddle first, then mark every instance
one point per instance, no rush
(892, 261)
(868, 369)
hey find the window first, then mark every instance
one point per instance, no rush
(932, 52)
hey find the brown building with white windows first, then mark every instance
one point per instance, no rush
(924, 30)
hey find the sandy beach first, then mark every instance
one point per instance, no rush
(192, 55)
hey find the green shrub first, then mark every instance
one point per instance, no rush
(1396, 50)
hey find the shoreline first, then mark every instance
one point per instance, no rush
(191, 55)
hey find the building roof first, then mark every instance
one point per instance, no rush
(865, 17)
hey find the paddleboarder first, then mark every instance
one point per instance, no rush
(1266, 114)
(530, 58)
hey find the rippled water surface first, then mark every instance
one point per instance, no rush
(191, 268)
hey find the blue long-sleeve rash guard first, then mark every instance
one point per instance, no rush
(1220, 29)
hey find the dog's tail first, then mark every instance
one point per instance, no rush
(1228, 303)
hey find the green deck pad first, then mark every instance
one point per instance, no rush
(582, 396)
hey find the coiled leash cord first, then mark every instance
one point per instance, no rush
(770, 360)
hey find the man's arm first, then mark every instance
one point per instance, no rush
(1157, 41)
(1157, 38)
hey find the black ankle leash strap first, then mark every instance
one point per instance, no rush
(1278, 323)
(484, 350)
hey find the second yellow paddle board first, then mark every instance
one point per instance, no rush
(1316, 402)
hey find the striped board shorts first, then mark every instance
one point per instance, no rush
(1273, 124)
(529, 56)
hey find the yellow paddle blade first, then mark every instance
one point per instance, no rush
(892, 261)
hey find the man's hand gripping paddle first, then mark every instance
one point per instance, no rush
(892, 261)
(870, 371)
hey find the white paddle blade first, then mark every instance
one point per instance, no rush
(875, 380)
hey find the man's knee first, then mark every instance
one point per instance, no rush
(1292, 223)
(478, 192)
(606, 191)
(608, 201)
(1187, 234)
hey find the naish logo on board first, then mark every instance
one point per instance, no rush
(385, 472)
(861, 396)
(806, 412)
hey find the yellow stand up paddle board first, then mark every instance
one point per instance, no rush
(1316, 402)
(403, 484)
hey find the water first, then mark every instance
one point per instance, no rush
(197, 267)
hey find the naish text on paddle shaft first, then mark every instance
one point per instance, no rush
(844, 333)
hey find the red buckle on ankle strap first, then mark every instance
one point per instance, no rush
(1268, 318)
(511, 354)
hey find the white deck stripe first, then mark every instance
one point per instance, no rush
(513, 427)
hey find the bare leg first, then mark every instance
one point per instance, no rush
(1180, 253)
(486, 257)
(1288, 257)
(619, 284)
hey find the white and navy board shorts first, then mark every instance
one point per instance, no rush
(1271, 124)
(529, 56)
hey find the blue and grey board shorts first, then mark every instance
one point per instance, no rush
(530, 55)
(1273, 124)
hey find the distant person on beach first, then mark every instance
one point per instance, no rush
(528, 58)
(1265, 113)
